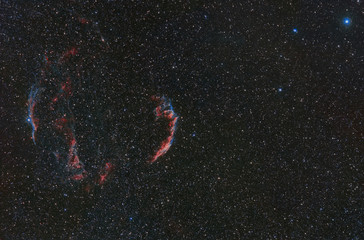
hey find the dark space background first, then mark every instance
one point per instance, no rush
(269, 143)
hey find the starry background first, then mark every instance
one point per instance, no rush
(269, 143)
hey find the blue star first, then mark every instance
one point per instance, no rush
(280, 89)
(193, 134)
(29, 119)
(295, 30)
(347, 21)
(130, 218)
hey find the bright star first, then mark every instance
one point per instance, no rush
(347, 21)
(295, 30)
(280, 89)
(28, 119)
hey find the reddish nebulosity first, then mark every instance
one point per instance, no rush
(67, 87)
(51, 104)
(73, 161)
(102, 178)
(72, 52)
(166, 144)
(35, 122)
(78, 176)
(88, 188)
(155, 98)
(170, 115)
(165, 110)
(105, 172)
(73, 143)
(72, 153)
(60, 123)
(83, 21)
(46, 58)
(65, 92)
(158, 111)
(108, 166)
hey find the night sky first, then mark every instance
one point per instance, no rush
(182, 119)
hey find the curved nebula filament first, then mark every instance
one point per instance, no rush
(165, 110)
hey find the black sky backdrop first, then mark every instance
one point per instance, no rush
(269, 142)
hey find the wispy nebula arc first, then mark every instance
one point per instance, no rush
(165, 110)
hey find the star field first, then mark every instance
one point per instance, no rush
(181, 120)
